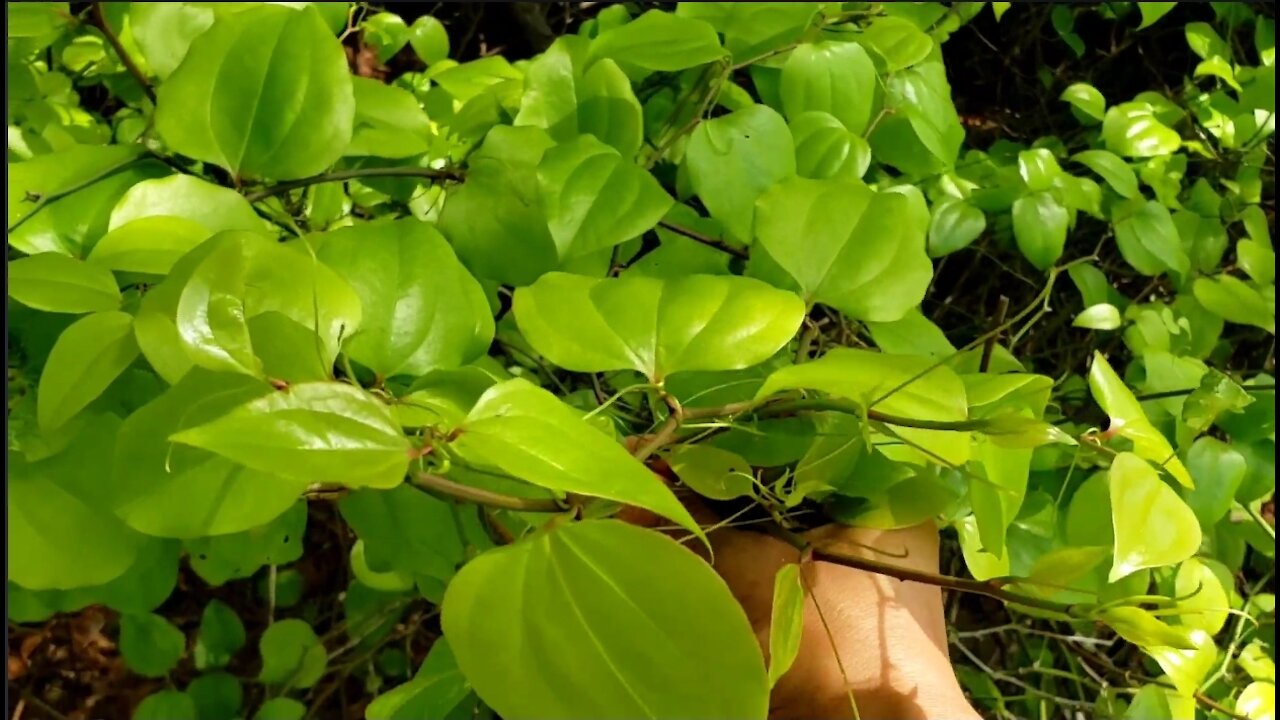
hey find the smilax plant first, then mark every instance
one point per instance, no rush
(486, 307)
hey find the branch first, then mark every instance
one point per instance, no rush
(100, 19)
(1188, 391)
(354, 174)
(707, 240)
(443, 486)
(44, 199)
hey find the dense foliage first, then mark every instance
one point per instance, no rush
(484, 307)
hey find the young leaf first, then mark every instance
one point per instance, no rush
(1153, 11)
(1040, 226)
(429, 40)
(292, 655)
(712, 472)
(1132, 130)
(997, 500)
(213, 207)
(658, 327)
(594, 199)
(857, 250)
(1111, 168)
(1153, 526)
(311, 431)
(151, 645)
(1104, 316)
(1129, 421)
(1087, 101)
(210, 313)
(832, 77)
(1203, 601)
(1149, 241)
(85, 360)
(1235, 301)
(825, 149)
(733, 159)
(1216, 395)
(56, 283)
(1258, 701)
(221, 635)
(148, 245)
(667, 639)
(416, 321)
(550, 98)
(281, 708)
(263, 93)
(862, 376)
(609, 110)
(529, 433)
(897, 41)
(658, 40)
(786, 625)
(953, 226)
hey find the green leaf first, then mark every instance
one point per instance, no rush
(634, 596)
(56, 283)
(609, 110)
(63, 199)
(36, 19)
(429, 40)
(148, 245)
(213, 207)
(1132, 130)
(1103, 316)
(1144, 629)
(220, 637)
(1085, 99)
(321, 432)
(837, 78)
(659, 41)
(389, 123)
(1040, 228)
(529, 433)
(922, 133)
(953, 226)
(1153, 526)
(752, 29)
(1149, 242)
(1129, 421)
(862, 376)
(898, 41)
(711, 472)
(292, 655)
(178, 491)
(417, 321)
(1203, 601)
(1039, 169)
(1111, 168)
(85, 360)
(281, 708)
(495, 220)
(1219, 470)
(997, 500)
(786, 624)
(1153, 11)
(735, 158)
(658, 327)
(1187, 668)
(210, 314)
(550, 98)
(857, 250)
(166, 705)
(825, 149)
(60, 532)
(217, 696)
(1235, 301)
(164, 31)
(436, 689)
(1258, 260)
(385, 32)
(151, 646)
(1258, 701)
(1158, 702)
(1217, 394)
(262, 93)
(594, 199)
(404, 530)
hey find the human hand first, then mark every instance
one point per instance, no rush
(889, 634)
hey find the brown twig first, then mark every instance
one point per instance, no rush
(707, 240)
(1002, 309)
(453, 174)
(100, 19)
(444, 486)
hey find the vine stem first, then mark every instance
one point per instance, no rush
(453, 174)
(100, 19)
(707, 240)
(436, 484)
